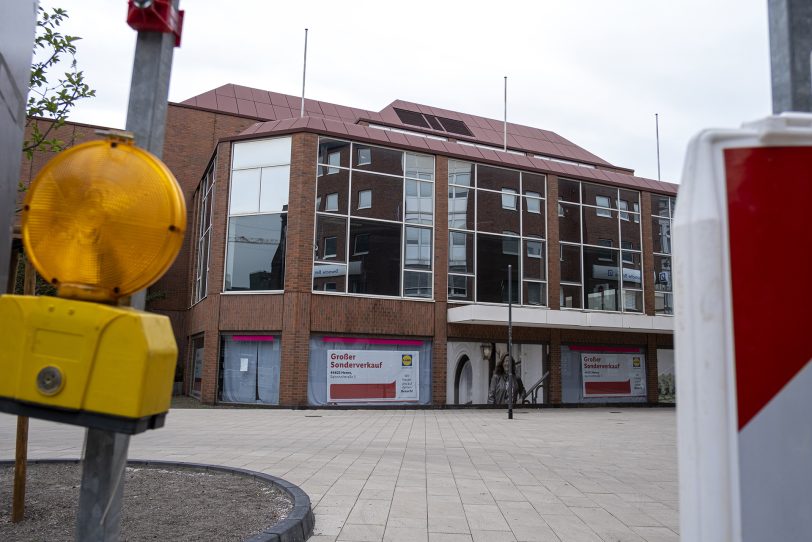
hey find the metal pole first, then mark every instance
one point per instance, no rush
(790, 46)
(510, 342)
(99, 514)
(102, 486)
(304, 74)
(657, 129)
(149, 99)
(505, 130)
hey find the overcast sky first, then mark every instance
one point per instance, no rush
(593, 71)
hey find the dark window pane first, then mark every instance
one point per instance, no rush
(380, 160)
(661, 233)
(328, 227)
(460, 208)
(535, 259)
(534, 182)
(569, 191)
(601, 281)
(492, 216)
(570, 296)
(533, 223)
(416, 284)
(329, 277)
(387, 196)
(631, 196)
(493, 178)
(333, 148)
(570, 263)
(599, 195)
(597, 226)
(630, 234)
(535, 293)
(492, 268)
(460, 252)
(460, 173)
(377, 270)
(256, 252)
(569, 223)
(337, 186)
(663, 303)
(460, 288)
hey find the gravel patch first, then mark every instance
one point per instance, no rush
(160, 503)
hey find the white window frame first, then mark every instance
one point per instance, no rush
(537, 201)
(368, 159)
(333, 167)
(603, 210)
(327, 255)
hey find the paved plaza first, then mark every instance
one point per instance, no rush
(584, 474)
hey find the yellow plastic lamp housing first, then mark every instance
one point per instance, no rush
(84, 363)
(102, 220)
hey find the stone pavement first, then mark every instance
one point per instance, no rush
(568, 475)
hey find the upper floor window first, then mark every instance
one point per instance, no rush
(381, 249)
(662, 211)
(601, 247)
(257, 224)
(205, 205)
(486, 234)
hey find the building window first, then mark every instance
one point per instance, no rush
(623, 205)
(533, 200)
(364, 156)
(508, 199)
(333, 160)
(604, 206)
(330, 245)
(383, 250)
(196, 380)
(249, 369)
(364, 199)
(205, 205)
(601, 251)
(257, 224)
(481, 201)
(331, 204)
(662, 219)
(361, 244)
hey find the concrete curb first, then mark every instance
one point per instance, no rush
(297, 527)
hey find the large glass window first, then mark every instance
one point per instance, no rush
(374, 231)
(662, 210)
(496, 218)
(601, 258)
(196, 374)
(205, 204)
(257, 224)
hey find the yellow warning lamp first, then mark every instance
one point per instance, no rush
(102, 220)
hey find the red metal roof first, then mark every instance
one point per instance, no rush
(279, 113)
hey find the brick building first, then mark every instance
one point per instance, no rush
(357, 257)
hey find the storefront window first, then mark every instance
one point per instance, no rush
(196, 380)
(369, 370)
(603, 374)
(249, 369)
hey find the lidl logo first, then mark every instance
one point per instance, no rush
(636, 362)
(406, 360)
